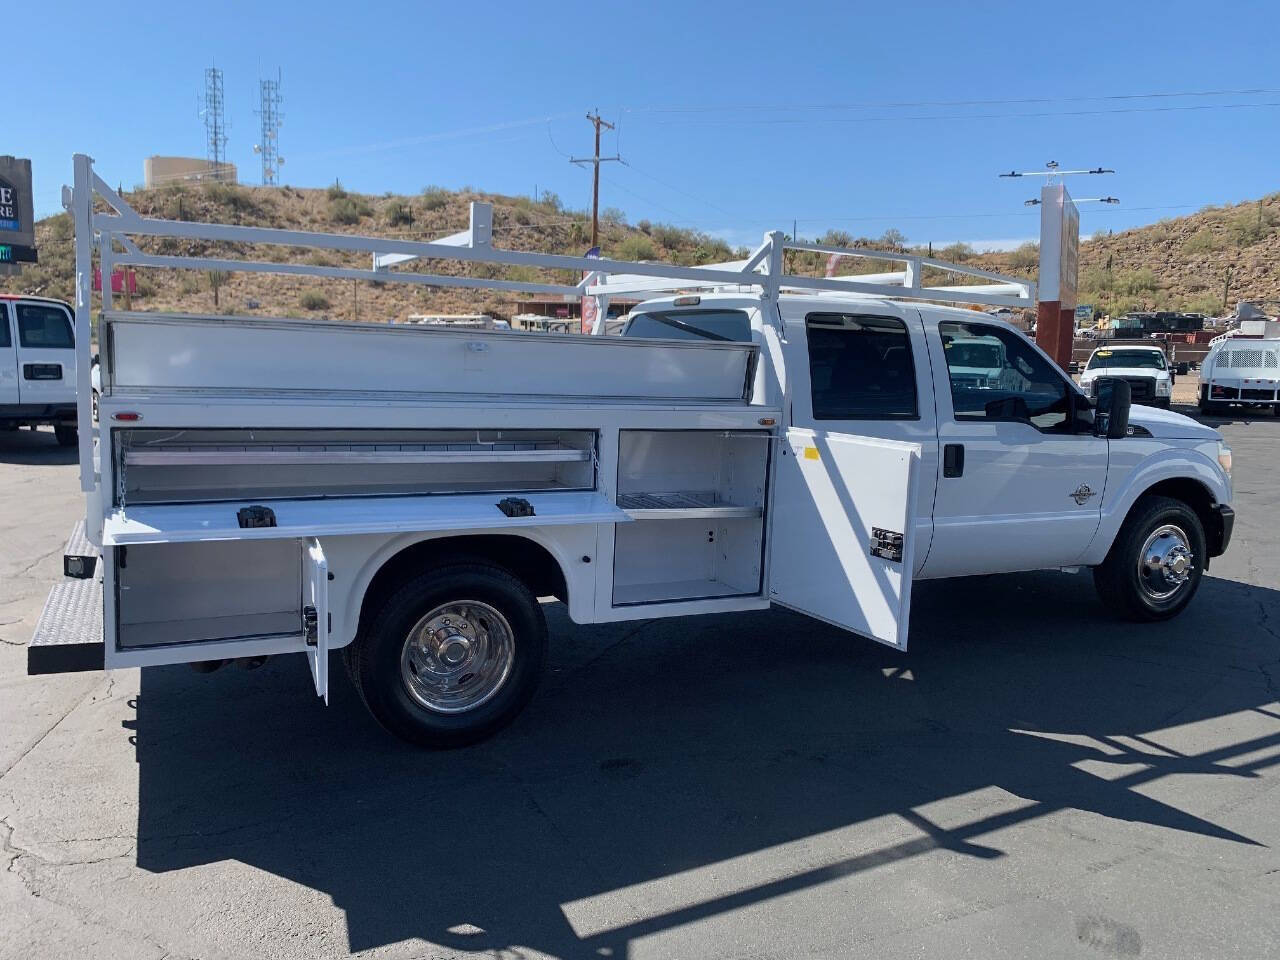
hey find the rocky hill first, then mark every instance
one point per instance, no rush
(1199, 262)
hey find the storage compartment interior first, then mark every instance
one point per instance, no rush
(221, 590)
(697, 498)
(169, 466)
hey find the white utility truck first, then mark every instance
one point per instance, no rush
(37, 365)
(260, 486)
(1143, 366)
(1240, 371)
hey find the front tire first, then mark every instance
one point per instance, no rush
(453, 655)
(1155, 564)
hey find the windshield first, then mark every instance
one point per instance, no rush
(1146, 359)
(961, 354)
(691, 325)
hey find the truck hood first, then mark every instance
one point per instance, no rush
(1169, 425)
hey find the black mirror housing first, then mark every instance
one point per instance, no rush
(1112, 417)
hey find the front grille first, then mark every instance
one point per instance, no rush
(1141, 388)
(1254, 394)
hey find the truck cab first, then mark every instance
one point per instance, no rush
(1145, 368)
(37, 365)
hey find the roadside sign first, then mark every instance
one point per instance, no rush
(17, 219)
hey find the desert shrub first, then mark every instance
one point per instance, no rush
(837, 238)
(1201, 242)
(892, 238)
(957, 252)
(636, 248)
(613, 215)
(230, 196)
(398, 215)
(1026, 256)
(551, 201)
(670, 236)
(348, 209)
(313, 300)
(1251, 225)
(335, 191)
(435, 198)
(188, 286)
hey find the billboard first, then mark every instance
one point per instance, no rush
(1059, 246)
(17, 220)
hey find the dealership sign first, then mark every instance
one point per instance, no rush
(17, 220)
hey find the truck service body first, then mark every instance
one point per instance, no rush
(1240, 371)
(794, 440)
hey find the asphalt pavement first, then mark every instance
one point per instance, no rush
(1033, 779)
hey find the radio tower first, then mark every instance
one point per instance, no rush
(215, 127)
(269, 142)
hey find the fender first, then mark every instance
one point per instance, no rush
(1131, 482)
(346, 608)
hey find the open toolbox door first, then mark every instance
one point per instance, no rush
(315, 613)
(841, 531)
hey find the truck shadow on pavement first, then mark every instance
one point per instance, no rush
(695, 745)
(35, 448)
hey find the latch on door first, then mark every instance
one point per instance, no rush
(886, 544)
(310, 625)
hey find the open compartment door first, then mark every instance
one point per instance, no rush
(841, 531)
(315, 613)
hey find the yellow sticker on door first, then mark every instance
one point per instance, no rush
(811, 453)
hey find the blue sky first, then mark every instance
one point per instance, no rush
(733, 118)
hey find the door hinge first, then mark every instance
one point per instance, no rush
(886, 544)
(310, 625)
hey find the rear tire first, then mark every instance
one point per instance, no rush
(1132, 583)
(65, 435)
(453, 655)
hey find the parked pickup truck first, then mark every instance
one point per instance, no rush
(1145, 368)
(37, 365)
(406, 494)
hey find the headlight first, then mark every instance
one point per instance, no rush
(1163, 387)
(1224, 458)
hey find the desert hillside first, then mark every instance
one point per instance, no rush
(1188, 263)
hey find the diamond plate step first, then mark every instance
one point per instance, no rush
(68, 637)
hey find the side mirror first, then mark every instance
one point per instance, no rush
(1111, 417)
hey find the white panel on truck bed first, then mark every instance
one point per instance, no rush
(197, 353)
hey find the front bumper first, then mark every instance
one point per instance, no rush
(1219, 530)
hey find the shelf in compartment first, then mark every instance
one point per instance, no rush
(682, 506)
(352, 453)
(674, 590)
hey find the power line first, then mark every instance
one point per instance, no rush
(890, 104)
(770, 121)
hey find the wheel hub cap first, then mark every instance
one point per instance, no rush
(1166, 562)
(457, 656)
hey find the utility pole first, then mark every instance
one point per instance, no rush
(595, 162)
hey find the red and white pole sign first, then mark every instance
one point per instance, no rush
(1059, 272)
(590, 304)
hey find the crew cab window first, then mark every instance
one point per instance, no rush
(860, 368)
(41, 326)
(690, 325)
(5, 341)
(1145, 359)
(997, 375)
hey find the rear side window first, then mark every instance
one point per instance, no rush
(691, 325)
(42, 326)
(860, 368)
(5, 340)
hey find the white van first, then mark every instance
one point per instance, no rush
(1240, 371)
(37, 365)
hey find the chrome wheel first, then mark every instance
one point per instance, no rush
(1165, 562)
(457, 656)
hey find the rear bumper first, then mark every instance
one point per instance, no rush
(1218, 533)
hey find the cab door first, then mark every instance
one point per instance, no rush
(1022, 476)
(843, 519)
(8, 358)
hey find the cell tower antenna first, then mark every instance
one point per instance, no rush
(268, 145)
(215, 126)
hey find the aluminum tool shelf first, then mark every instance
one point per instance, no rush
(683, 506)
